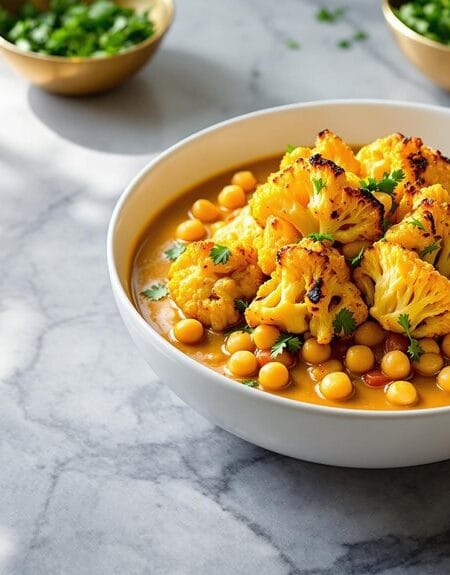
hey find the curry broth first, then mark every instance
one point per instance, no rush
(151, 266)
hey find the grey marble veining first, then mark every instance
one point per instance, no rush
(102, 470)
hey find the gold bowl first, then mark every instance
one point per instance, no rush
(80, 76)
(430, 57)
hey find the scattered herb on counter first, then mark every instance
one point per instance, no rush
(414, 349)
(429, 18)
(175, 251)
(71, 28)
(156, 292)
(330, 16)
(360, 36)
(344, 44)
(288, 342)
(292, 44)
(219, 254)
(344, 322)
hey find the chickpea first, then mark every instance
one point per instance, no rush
(238, 341)
(243, 363)
(246, 180)
(352, 249)
(445, 345)
(273, 376)
(320, 370)
(401, 393)
(429, 345)
(232, 197)
(369, 333)
(205, 211)
(429, 364)
(336, 386)
(265, 336)
(191, 230)
(188, 331)
(384, 199)
(443, 379)
(395, 364)
(314, 352)
(359, 358)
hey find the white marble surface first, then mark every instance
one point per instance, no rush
(102, 470)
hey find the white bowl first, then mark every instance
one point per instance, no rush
(335, 436)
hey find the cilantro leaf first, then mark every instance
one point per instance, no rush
(416, 223)
(240, 305)
(344, 44)
(354, 262)
(430, 248)
(239, 327)
(318, 237)
(318, 184)
(360, 35)
(329, 16)
(288, 342)
(156, 292)
(414, 350)
(290, 148)
(386, 184)
(292, 44)
(250, 382)
(175, 251)
(344, 322)
(219, 254)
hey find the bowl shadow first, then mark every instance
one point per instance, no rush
(178, 94)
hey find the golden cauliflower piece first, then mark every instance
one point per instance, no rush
(207, 291)
(277, 233)
(316, 195)
(310, 286)
(412, 197)
(422, 165)
(330, 146)
(240, 227)
(426, 230)
(396, 281)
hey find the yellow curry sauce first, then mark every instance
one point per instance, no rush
(150, 266)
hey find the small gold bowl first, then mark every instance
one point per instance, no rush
(430, 57)
(80, 76)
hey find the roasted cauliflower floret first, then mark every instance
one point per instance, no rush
(240, 226)
(396, 281)
(330, 146)
(316, 195)
(426, 230)
(207, 291)
(412, 197)
(309, 287)
(422, 165)
(277, 233)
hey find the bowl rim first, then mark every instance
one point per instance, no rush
(405, 30)
(198, 367)
(170, 5)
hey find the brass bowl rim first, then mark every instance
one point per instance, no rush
(7, 45)
(405, 30)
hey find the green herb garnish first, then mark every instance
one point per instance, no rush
(329, 16)
(344, 322)
(250, 382)
(219, 254)
(240, 305)
(416, 223)
(318, 184)
(292, 44)
(72, 28)
(386, 184)
(156, 292)
(239, 327)
(175, 251)
(288, 342)
(318, 237)
(344, 44)
(430, 248)
(360, 36)
(290, 148)
(414, 349)
(429, 18)
(354, 262)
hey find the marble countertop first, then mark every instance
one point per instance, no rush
(102, 469)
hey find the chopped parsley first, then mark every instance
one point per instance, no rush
(430, 248)
(219, 254)
(354, 262)
(250, 382)
(292, 44)
(288, 342)
(344, 322)
(414, 349)
(386, 184)
(175, 251)
(360, 36)
(344, 44)
(156, 292)
(416, 223)
(329, 16)
(318, 237)
(318, 184)
(290, 148)
(240, 305)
